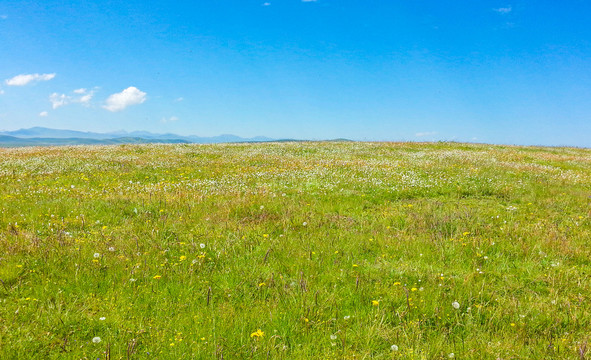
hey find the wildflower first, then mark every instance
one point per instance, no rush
(102, 318)
(182, 258)
(258, 334)
(157, 277)
(132, 280)
(202, 246)
(97, 255)
(455, 304)
(304, 223)
(333, 337)
(111, 249)
(346, 317)
(394, 347)
(451, 355)
(375, 302)
(96, 339)
(262, 284)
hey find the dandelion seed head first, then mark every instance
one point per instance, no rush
(202, 246)
(455, 304)
(394, 347)
(97, 255)
(96, 339)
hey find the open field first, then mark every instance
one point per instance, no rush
(295, 251)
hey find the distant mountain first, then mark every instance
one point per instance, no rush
(40, 136)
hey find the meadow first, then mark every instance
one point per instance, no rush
(327, 250)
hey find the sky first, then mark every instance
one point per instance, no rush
(505, 72)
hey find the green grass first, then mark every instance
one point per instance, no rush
(331, 250)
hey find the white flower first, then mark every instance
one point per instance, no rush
(202, 246)
(262, 207)
(111, 249)
(97, 255)
(455, 304)
(451, 355)
(102, 318)
(96, 340)
(347, 317)
(333, 337)
(132, 280)
(394, 347)
(305, 223)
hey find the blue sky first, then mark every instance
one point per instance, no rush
(511, 72)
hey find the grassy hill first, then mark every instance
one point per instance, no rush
(333, 250)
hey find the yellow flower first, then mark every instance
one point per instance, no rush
(396, 283)
(157, 277)
(259, 333)
(262, 284)
(182, 258)
(413, 289)
(375, 302)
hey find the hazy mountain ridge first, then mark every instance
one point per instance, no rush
(41, 136)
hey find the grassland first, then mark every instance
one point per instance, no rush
(295, 251)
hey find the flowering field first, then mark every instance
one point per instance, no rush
(295, 251)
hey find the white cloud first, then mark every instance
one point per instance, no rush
(43, 113)
(267, 4)
(179, 99)
(170, 119)
(24, 79)
(58, 100)
(128, 97)
(504, 10)
(1, 92)
(308, 0)
(426, 133)
(86, 98)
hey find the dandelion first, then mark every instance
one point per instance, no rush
(157, 277)
(451, 355)
(182, 258)
(202, 246)
(375, 302)
(394, 347)
(304, 223)
(111, 249)
(96, 339)
(97, 255)
(455, 304)
(258, 334)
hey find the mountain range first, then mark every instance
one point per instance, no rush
(41, 136)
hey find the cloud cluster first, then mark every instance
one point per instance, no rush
(59, 100)
(170, 119)
(127, 97)
(24, 79)
(504, 10)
